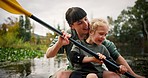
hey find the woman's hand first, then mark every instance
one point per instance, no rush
(64, 39)
(122, 69)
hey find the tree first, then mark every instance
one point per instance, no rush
(28, 28)
(21, 27)
(140, 11)
(9, 33)
(25, 28)
(132, 24)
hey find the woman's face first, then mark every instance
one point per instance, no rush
(99, 35)
(81, 26)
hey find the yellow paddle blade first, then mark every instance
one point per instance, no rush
(14, 7)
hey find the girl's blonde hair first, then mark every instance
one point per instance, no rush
(97, 22)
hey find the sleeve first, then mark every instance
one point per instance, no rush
(76, 56)
(111, 48)
(53, 42)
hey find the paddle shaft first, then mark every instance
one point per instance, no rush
(79, 45)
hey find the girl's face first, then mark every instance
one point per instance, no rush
(81, 26)
(99, 35)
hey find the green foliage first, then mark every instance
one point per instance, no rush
(12, 54)
(38, 40)
(49, 38)
(9, 36)
(17, 42)
(131, 26)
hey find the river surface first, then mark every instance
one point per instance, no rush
(35, 68)
(43, 67)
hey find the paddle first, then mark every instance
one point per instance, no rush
(13, 6)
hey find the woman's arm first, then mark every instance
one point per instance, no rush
(61, 41)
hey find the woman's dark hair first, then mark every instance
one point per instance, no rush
(74, 14)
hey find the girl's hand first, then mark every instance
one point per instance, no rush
(100, 60)
(101, 56)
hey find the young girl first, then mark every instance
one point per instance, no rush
(85, 65)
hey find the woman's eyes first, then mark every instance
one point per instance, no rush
(86, 19)
(79, 22)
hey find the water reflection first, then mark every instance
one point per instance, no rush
(43, 67)
(15, 69)
(36, 68)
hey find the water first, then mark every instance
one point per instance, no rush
(36, 68)
(43, 67)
